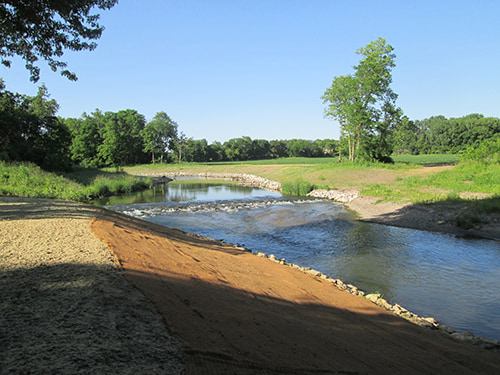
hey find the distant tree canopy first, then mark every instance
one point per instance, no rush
(244, 148)
(364, 103)
(45, 28)
(438, 134)
(104, 139)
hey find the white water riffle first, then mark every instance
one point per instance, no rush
(451, 279)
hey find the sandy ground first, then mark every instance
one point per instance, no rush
(65, 307)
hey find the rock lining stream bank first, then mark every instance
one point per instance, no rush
(341, 196)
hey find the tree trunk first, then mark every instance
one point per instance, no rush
(349, 146)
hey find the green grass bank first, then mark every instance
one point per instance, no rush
(415, 179)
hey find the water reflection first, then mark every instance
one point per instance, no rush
(452, 279)
(188, 190)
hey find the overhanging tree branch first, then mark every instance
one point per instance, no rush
(46, 28)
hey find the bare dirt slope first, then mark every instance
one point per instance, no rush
(66, 308)
(236, 313)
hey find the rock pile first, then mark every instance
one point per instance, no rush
(342, 196)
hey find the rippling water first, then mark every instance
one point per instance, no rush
(451, 279)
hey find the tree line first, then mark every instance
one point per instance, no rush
(31, 131)
(438, 135)
(124, 138)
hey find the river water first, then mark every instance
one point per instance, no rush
(452, 279)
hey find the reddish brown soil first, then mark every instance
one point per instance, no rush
(236, 313)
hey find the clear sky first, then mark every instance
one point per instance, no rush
(229, 68)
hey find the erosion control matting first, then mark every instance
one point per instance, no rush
(237, 313)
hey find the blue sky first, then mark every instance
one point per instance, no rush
(230, 68)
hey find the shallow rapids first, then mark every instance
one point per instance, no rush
(432, 274)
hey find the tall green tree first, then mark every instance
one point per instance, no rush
(238, 148)
(30, 130)
(405, 137)
(87, 136)
(196, 150)
(46, 28)
(159, 136)
(215, 152)
(278, 149)
(122, 141)
(261, 149)
(180, 144)
(363, 102)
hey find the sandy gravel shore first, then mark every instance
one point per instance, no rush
(65, 306)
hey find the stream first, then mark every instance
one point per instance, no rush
(450, 278)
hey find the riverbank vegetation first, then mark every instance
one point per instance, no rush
(470, 183)
(83, 184)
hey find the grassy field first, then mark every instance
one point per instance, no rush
(425, 179)
(434, 159)
(419, 179)
(309, 173)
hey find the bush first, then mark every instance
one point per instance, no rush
(488, 152)
(29, 180)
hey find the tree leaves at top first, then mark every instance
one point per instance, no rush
(45, 28)
(364, 103)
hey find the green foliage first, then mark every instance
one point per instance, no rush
(438, 134)
(45, 28)
(198, 151)
(122, 141)
(364, 103)
(29, 180)
(30, 131)
(297, 188)
(103, 186)
(487, 152)
(87, 135)
(159, 135)
(245, 149)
